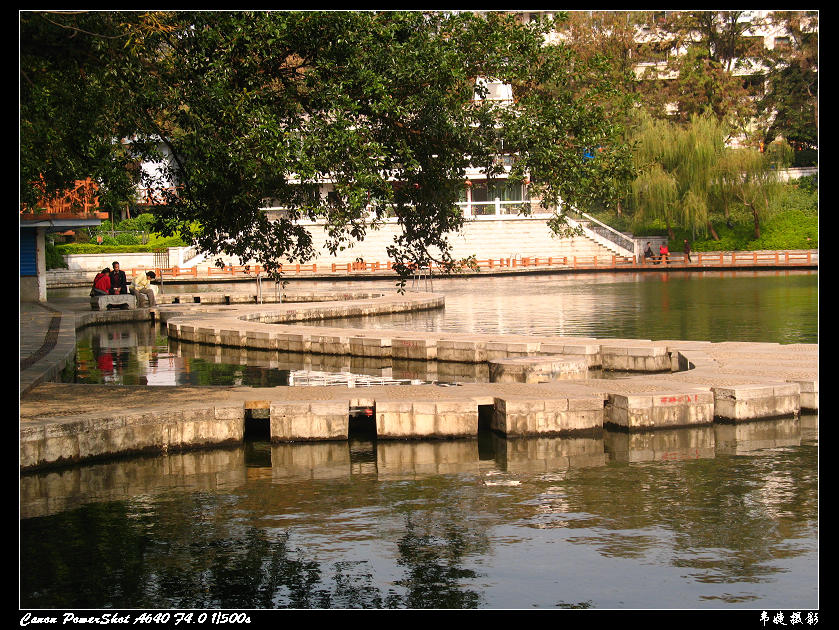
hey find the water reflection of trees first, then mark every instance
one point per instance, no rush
(193, 553)
(723, 520)
(172, 555)
(433, 561)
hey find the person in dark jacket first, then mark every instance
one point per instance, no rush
(687, 250)
(119, 283)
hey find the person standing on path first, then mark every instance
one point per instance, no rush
(687, 251)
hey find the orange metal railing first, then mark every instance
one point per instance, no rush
(704, 260)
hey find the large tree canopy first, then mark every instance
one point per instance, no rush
(256, 105)
(791, 100)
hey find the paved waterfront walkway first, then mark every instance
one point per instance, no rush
(47, 341)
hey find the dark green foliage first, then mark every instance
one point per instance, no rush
(110, 245)
(256, 105)
(54, 259)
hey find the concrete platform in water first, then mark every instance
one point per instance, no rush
(540, 390)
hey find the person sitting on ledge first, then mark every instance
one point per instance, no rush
(141, 287)
(101, 283)
(119, 283)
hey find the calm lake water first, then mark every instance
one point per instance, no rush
(780, 307)
(772, 306)
(722, 517)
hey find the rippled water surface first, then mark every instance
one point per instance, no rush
(716, 517)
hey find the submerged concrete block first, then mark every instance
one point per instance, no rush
(363, 346)
(522, 416)
(754, 402)
(641, 358)
(294, 342)
(260, 340)
(329, 344)
(461, 351)
(809, 395)
(309, 420)
(208, 335)
(660, 410)
(394, 418)
(415, 348)
(589, 351)
(399, 419)
(540, 369)
(506, 349)
(187, 332)
(232, 337)
(132, 431)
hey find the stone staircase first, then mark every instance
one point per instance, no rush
(485, 238)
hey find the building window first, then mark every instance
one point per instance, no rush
(782, 43)
(504, 191)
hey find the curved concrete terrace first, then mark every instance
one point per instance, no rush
(539, 385)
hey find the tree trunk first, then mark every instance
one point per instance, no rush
(713, 232)
(756, 220)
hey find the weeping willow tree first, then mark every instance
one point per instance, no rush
(677, 170)
(750, 178)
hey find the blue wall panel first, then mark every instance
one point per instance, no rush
(28, 253)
